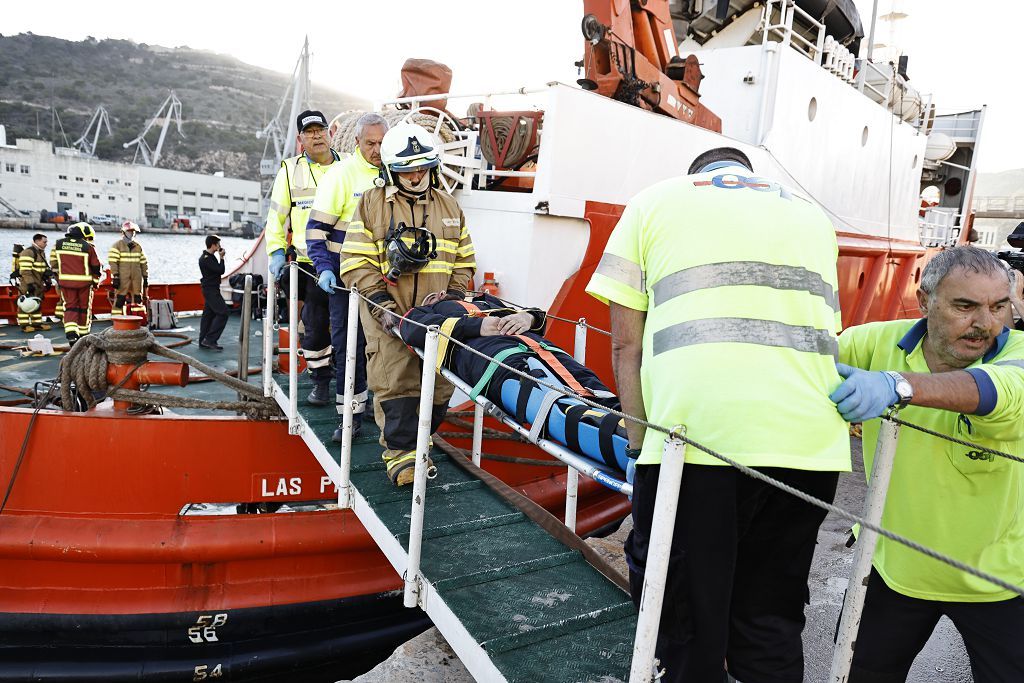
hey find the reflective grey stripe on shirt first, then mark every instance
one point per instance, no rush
(325, 218)
(1017, 363)
(746, 331)
(622, 270)
(753, 273)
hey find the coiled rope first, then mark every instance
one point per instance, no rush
(344, 139)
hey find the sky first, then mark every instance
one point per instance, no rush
(359, 47)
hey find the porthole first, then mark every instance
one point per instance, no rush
(812, 108)
(864, 137)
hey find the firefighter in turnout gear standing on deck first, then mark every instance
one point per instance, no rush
(34, 277)
(290, 202)
(336, 201)
(74, 261)
(129, 272)
(406, 240)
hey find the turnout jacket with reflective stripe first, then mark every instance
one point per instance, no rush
(960, 501)
(363, 261)
(75, 262)
(127, 260)
(737, 276)
(290, 202)
(336, 199)
(31, 264)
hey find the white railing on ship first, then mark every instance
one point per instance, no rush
(644, 665)
(784, 29)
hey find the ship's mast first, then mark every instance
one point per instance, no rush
(280, 132)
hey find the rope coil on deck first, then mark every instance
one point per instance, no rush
(817, 502)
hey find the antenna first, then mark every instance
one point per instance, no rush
(280, 132)
(150, 157)
(99, 119)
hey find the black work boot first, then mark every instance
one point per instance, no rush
(320, 395)
(357, 429)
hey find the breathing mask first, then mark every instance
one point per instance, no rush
(407, 258)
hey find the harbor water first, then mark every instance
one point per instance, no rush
(172, 258)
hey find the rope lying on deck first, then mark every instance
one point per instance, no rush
(86, 366)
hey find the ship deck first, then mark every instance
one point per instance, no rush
(18, 369)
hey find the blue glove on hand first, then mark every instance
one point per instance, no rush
(327, 281)
(863, 395)
(277, 263)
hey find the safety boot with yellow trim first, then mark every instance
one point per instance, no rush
(43, 326)
(401, 466)
(28, 328)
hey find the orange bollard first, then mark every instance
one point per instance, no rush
(164, 373)
(282, 355)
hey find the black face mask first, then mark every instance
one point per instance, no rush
(405, 258)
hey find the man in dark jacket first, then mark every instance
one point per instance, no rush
(215, 311)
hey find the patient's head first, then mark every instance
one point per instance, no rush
(433, 298)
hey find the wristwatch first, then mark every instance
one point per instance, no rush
(903, 389)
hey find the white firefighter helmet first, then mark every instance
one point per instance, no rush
(408, 147)
(130, 225)
(29, 304)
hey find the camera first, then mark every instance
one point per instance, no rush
(1015, 259)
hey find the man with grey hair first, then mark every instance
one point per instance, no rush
(960, 372)
(336, 199)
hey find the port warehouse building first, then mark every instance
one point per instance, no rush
(34, 175)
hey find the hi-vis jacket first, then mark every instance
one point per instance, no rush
(31, 267)
(75, 262)
(364, 264)
(128, 263)
(335, 203)
(290, 202)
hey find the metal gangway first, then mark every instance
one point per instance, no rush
(514, 602)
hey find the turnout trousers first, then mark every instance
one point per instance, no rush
(77, 303)
(338, 305)
(394, 374)
(737, 575)
(895, 627)
(30, 289)
(130, 292)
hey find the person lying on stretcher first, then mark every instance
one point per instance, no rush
(514, 337)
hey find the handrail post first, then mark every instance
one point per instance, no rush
(856, 589)
(293, 348)
(572, 477)
(419, 485)
(665, 504)
(243, 333)
(351, 337)
(478, 433)
(269, 342)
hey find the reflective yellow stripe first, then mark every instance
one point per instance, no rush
(361, 248)
(353, 263)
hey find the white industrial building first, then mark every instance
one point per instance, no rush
(36, 176)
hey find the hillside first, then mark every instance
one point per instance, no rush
(224, 101)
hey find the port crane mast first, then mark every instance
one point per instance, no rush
(170, 109)
(100, 119)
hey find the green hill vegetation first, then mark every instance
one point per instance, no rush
(225, 102)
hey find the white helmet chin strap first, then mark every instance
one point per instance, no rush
(418, 188)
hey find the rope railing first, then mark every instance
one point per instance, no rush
(675, 444)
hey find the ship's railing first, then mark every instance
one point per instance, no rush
(939, 227)
(644, 664)
(783, 29)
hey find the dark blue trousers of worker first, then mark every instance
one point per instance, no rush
(215, 316)
(339, 335)
(316, 320)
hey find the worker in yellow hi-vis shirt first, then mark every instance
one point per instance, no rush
(290, 203)
(724, 303)
(958, 371)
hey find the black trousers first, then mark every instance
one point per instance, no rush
(215, 315)
(316, 326)
(894, 628)
(737, 576)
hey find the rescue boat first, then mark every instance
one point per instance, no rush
(192, 546)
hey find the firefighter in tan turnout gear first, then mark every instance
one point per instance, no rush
(129, 272)
(406, 240)
(33, 277)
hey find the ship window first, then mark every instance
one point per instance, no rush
(812, 108)
(864, 137)
(953, 186)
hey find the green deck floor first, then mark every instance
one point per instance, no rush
(537, 608)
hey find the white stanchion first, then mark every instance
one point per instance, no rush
(856, 589)
(579, 349)
(572, 477)
(478, 433)
(667, 500)
(293, 347)
(269, 340)
(419, 486)
(351, 341)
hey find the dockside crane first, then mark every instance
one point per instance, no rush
(171, 108)
(99, 119)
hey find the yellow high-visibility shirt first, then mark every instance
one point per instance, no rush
(290, 202)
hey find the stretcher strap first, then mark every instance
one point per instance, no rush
(604, 439)
(572, 427)
(472, 309)
(485, 379)
(443, 339)
(555, 364)
(526, 388)
(541, 418)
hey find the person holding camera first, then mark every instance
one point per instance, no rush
(215, 311)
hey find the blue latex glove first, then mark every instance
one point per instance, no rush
(327, 281)
(276, 263)
(863, 395)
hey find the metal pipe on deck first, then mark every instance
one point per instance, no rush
(856, 589)
(419, 486)
(670, 481)
(351, 337)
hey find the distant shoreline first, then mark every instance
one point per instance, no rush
(7, 223)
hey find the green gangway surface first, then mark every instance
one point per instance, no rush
(514, 603)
